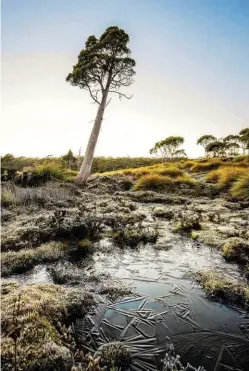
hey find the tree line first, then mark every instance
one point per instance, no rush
(230, 146)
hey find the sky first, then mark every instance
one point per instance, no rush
(192, 75)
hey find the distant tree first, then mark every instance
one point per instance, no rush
(167, 148)
(244, 140)
(69, 159)
(205, 140)
(7, 157)
(68, 156)
(216, 148)
(103, 67)
(180, 153)
(231, 144)
(8, 160)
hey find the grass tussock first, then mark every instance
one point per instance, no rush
(160, 183)
(206, 165)
(241, 160)
(226, 175)
(154, 182)
(133, 237)
(185, 179)
(25, 259)
(47, 171)
(18, 196)
(53, 170)
(236, 249)
(171, 171)
(218, 286)
(187, 164)
(240, 188)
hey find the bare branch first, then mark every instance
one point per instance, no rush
(93, 97)
(120, 94)
(108, 102)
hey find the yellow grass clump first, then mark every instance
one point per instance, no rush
(187, 164)
(185, 179)
(153, 182)
(206, 165)
(172, 171)
(226, 175)
(158, 183)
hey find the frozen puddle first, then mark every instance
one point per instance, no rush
(170, 304)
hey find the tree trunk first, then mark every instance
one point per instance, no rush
(86, 166)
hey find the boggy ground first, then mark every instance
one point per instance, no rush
(61, 224)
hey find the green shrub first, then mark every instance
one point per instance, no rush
(52, 170)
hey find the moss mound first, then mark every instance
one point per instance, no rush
(34, 332)
(114, 355)
(219, 286)
(22, 260)
(236, 248)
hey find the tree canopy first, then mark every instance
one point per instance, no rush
(104, 64)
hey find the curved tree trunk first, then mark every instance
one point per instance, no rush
(86, 166)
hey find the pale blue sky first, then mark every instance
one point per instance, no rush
(192, 74)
